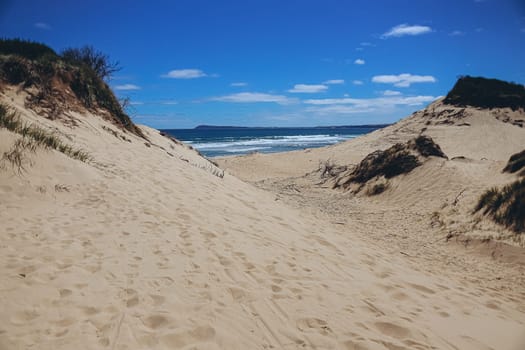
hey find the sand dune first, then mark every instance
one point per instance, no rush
(148, 246)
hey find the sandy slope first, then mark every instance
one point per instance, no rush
(477, 142)
(477, 134)
(146, 247)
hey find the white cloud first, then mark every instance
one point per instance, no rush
(372, 102)
(357, 82)
(169, 103)
(391, 93)
(254, 97)
(403, 80)
(42, 25)
(127, 87)
(239, 84)
(354, 105)
(405, 29)
(308, 89)
(456, 33)
(185, 74)
(359, 61)
(334, 82)
(339, 109)
(363, 45)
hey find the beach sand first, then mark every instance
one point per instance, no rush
(150, 246)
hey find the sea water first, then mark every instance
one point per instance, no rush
(227, 141)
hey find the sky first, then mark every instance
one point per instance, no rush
(282, 63)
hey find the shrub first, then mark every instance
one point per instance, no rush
(96, 60)
(81, 70)
(486, 93)
(389, 163)
(427, 147)
(15, 71)
(505, 206)
(516, 163)
(25, 48)
(396, 160)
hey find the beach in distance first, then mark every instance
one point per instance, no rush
(215, 141)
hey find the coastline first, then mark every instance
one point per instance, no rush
(224, 141)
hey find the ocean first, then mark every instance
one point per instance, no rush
(228, 141)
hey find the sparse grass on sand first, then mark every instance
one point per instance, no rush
(506, 206)
(33, 137)
(516, 164)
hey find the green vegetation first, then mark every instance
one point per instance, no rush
(27, 49)
(486, 93)
(98, 62)
(426, 147)
(505, 206)
(33, 137)
(396, 160)
(81, 71)
(516, 164)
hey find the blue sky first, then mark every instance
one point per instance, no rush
(282, 63)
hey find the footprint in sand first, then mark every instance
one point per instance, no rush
(191, 337)
(312, 323)
(157, 299)
(23, 317)
(65, 292)
(392, 330)
(422, 288)
(155, 321)
(90, 310)
(131, 297)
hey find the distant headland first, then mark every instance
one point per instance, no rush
(230, 127)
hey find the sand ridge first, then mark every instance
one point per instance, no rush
(148, 247)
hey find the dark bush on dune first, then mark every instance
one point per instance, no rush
(97, 61)
(427, 147)
(82, 71)
(15, 71)
(396, 160)
(486, 93)
(505, 206)
(516, 163)
(27, 49)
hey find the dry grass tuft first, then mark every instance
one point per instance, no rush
(506, 206)
(396, 160)
(33, 137)
(516, 164)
